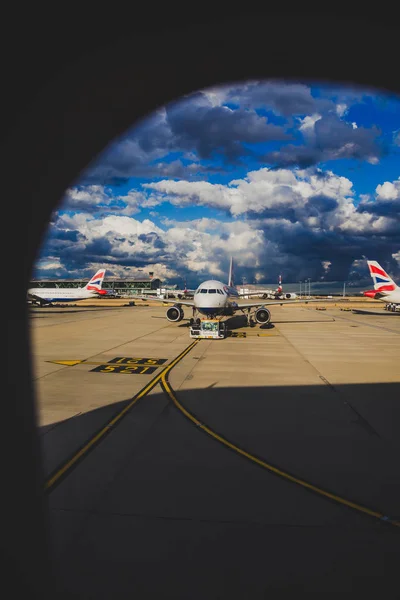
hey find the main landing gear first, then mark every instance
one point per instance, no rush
(250, 320)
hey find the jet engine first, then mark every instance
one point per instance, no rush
(262, 315)
(175, 313)
(290, 296)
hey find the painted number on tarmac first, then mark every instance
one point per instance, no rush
(128, 365)
(125, 369)
(241, 334)
(127, 360)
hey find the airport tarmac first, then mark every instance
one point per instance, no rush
(263, 464)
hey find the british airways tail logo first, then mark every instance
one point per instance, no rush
(96, 281)
(382, 281)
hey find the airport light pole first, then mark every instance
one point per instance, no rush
(300, 288)
(309, 287)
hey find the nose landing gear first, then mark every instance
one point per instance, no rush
(194, 321)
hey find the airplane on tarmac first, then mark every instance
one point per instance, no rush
(176, 293)
(385, 288)
(48, 295)
(214, 298)
(278, 293)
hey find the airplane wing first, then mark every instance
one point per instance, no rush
(282, 302)
(169, 301)
(260, 293)
(34, 297)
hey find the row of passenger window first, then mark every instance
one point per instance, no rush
(204, 291)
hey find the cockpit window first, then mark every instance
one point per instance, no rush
(212, 291)
(220, 291)
(203, 291)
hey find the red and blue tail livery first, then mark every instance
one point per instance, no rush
(97, 281)
(382, 281)
(385, 288)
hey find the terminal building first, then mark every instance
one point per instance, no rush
(121, 287)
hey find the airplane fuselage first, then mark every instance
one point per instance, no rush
(214, 298)
(392, 297)
(61, 295)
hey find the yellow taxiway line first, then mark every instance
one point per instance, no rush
(262, 463)
(62, 471)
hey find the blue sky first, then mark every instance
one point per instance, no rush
(291, 178)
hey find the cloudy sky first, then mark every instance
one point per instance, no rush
(290, 178)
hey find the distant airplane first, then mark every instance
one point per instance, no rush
(186, 293)
(214, 298)
(92, 289)
(278, 293)
(385, 288)
(175, 293)
(109, 293)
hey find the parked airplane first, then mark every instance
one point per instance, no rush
(278, 293)
(214, 298)
(385, 288)
(108, 293)
(175, 293)
(48, 295)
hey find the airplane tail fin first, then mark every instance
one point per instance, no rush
(96, 282)
(230, 277)
(382, 281)
(280, 283)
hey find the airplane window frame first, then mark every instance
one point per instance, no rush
(45, 119)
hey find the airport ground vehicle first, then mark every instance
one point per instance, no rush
(208, 329)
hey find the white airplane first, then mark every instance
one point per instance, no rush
(92, 289)
(385, 288)
(177, 293)
(278, 293)
(216, 299)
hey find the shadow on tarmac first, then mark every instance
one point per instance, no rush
(161, 505)
(385, 313)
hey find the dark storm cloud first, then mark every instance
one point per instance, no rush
(332, 139)
(206, 129)
(297, 212)
(153, 239)
(110, 172)
(302, 251)
(68, 235)
(211, 130)
(191, 125)
(292, 156)
(387, 208)
(100, 246)
(386, 203)
(89, 205)
(59, 240)
(284, 98)
(140, 259)
(319, 204)
(333, 134)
